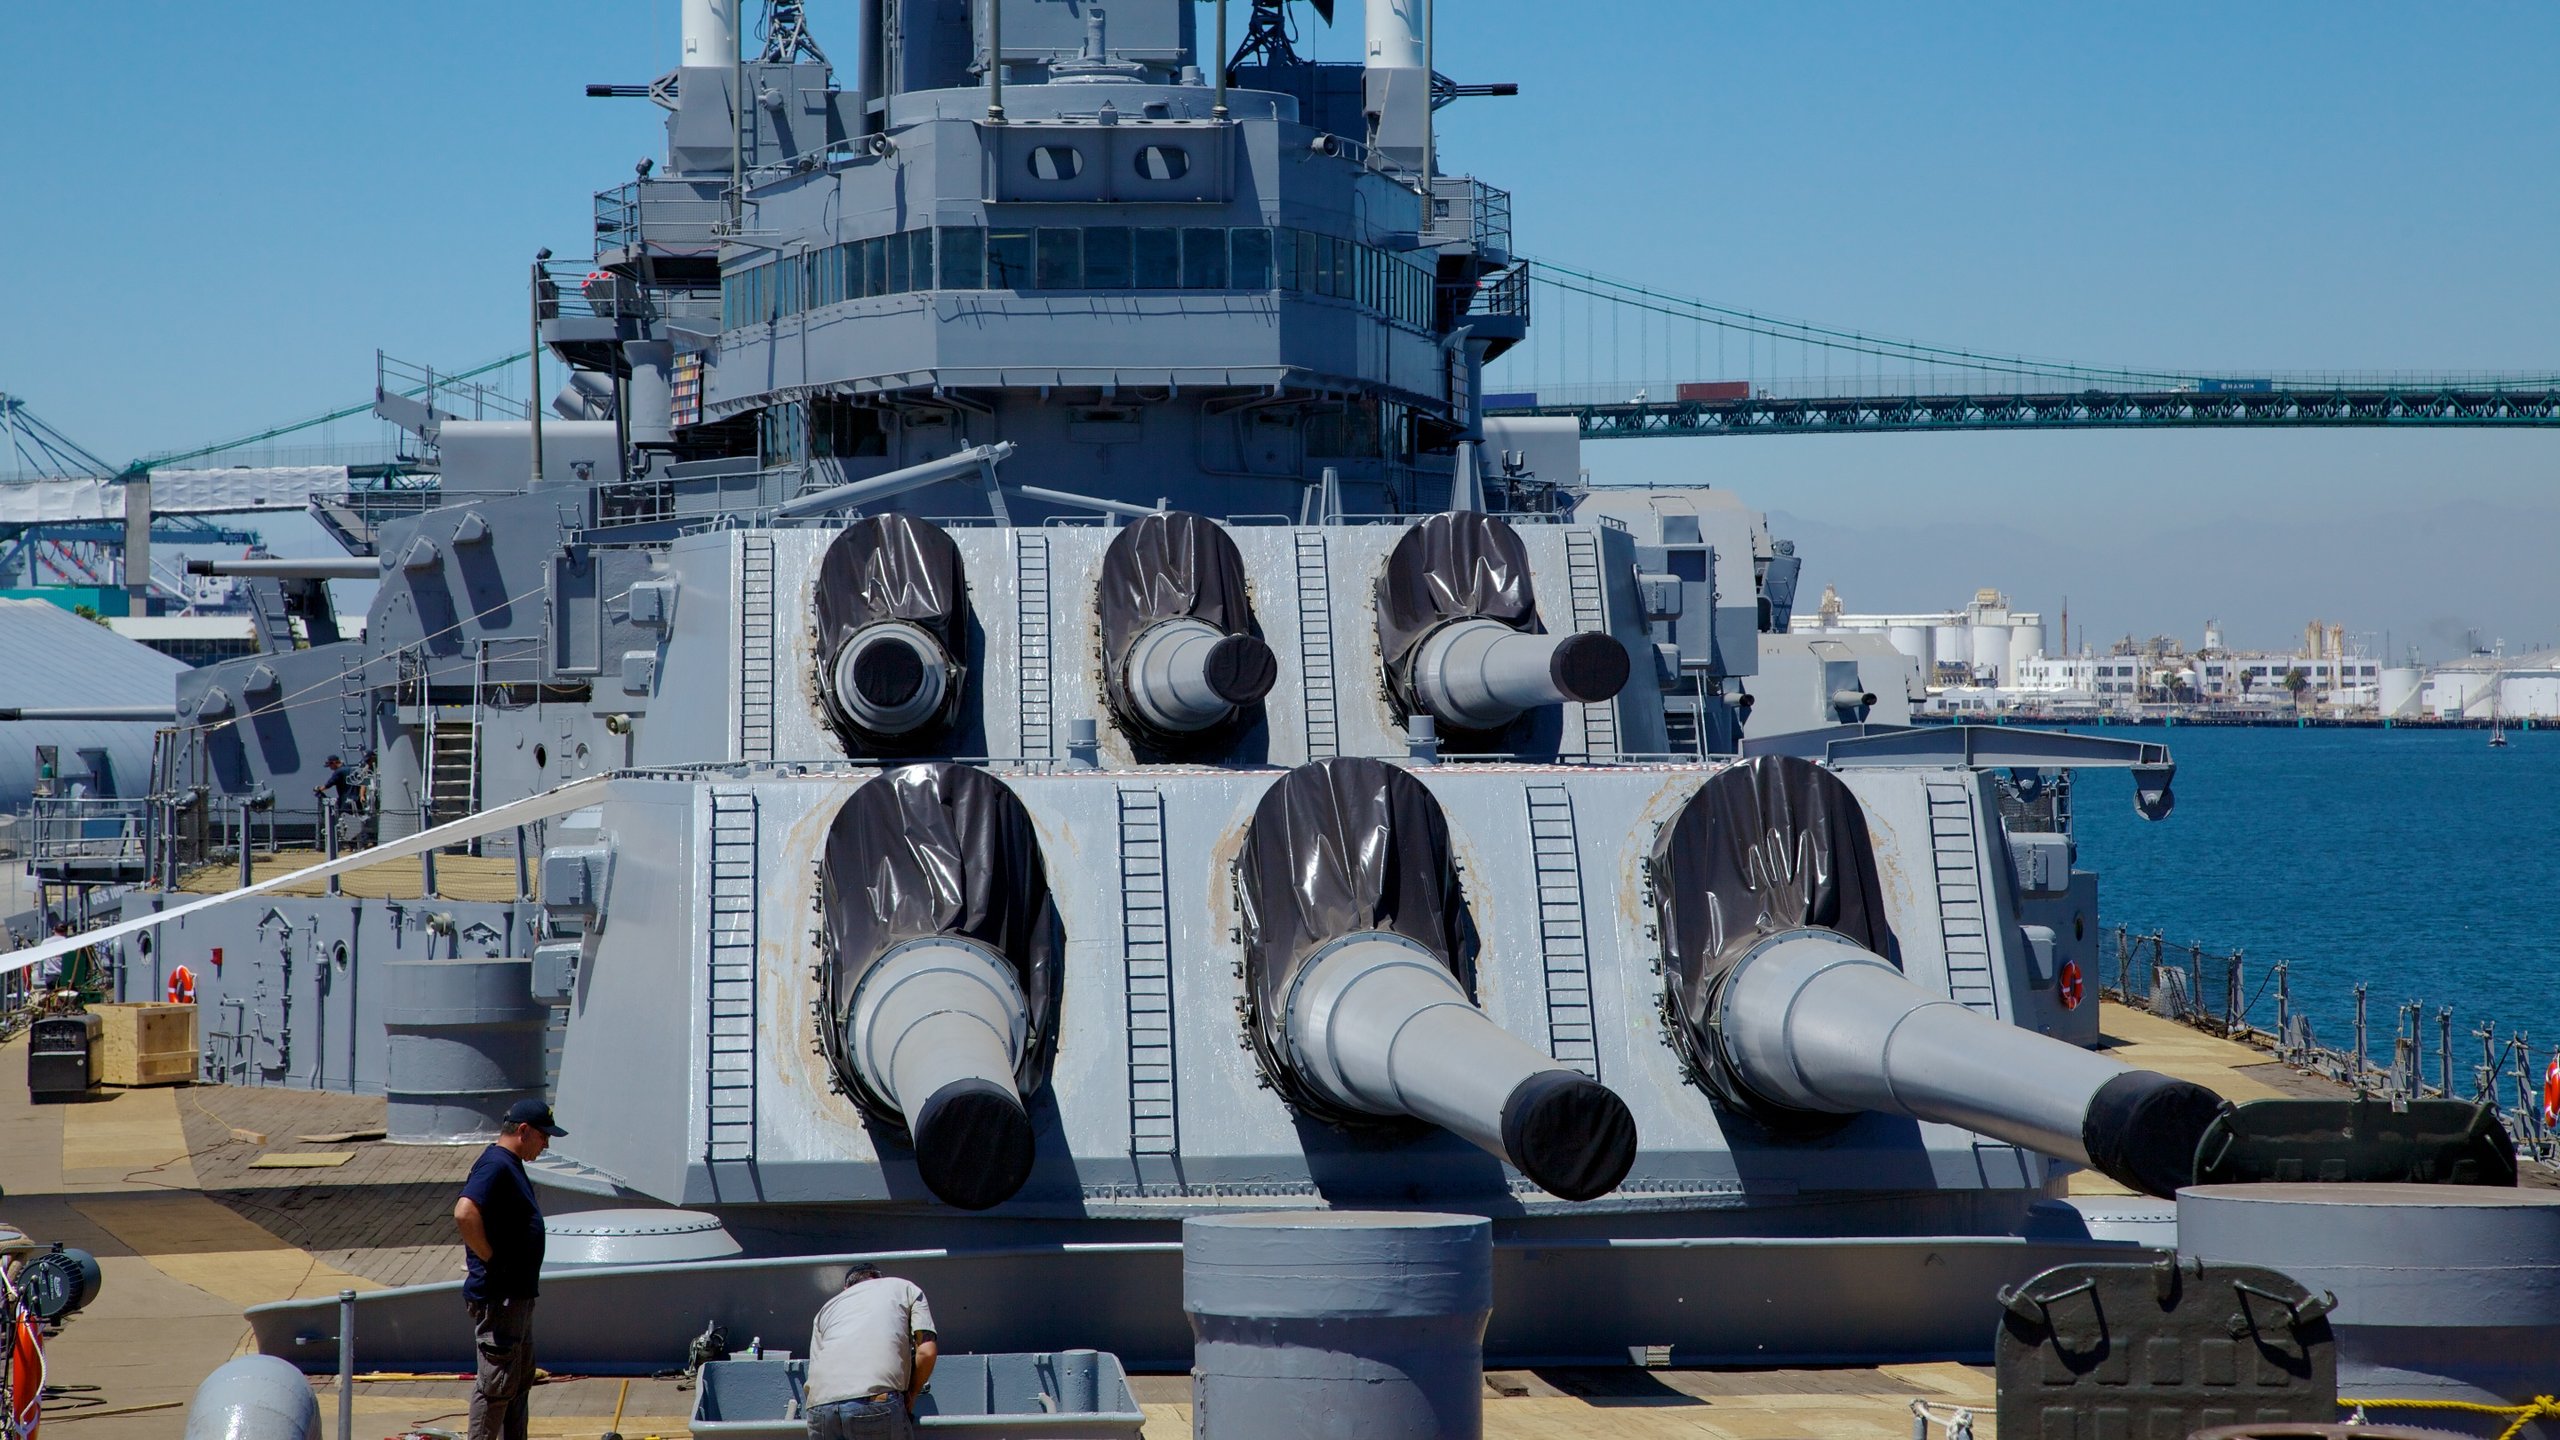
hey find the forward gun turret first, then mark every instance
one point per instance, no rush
(1458, 626)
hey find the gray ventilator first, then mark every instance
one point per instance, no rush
(1377, 1024)
(891, 678)
(1812, 1021)
(1482, 674)
(937, 1027)
(1186, 675)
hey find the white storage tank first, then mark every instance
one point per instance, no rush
(1911, 640)
(2026, 642)
(1989, 647)
(1951, 645)
(2399, 689)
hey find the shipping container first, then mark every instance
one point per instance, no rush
(1715, 390)
(2236, 387)
(1511, 400)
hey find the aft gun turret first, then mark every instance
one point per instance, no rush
(1458, 626)
(1774, 940)
(893, 624)
(1359, 962)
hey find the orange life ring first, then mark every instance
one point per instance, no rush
(2551, 1093)
(26, 1379)
(182, 986)
(2068, 984)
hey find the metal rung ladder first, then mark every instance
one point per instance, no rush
(1563, 935)
(1315, 647)
(1031, 596)
(1963, 912)
(1146, 953)
(729, 1131)
(354, 727)
(1590, 613)
(755, 647)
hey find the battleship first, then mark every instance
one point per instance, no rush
(1014, 701)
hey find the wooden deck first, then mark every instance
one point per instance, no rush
(159, 1184)
(490, 878)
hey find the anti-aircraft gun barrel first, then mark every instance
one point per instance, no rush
(1482, 674)
(1813, 1021)
(1377, 1024)
(353, 568)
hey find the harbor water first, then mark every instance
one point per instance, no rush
(2418, 861)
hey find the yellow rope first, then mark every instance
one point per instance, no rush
(2543, 1407)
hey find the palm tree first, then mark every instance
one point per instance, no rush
(2296, 682)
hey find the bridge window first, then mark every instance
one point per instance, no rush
(1162, 162)
(1159, 258)
(1204, 259)
(964, 258)
(1250, 267)
(1107, 258)
(875, 267)
(1008, 259)
(1284, 257)
(920, 259)
(1061, 258)
(896, 245)
(1056, 162)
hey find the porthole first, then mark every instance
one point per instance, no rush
(541, 757)
(1163, 162)
(1056, 162)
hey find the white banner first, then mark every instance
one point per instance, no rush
(173, 492)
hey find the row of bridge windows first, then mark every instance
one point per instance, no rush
(1083, 258)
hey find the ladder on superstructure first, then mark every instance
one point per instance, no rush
(1315, 646)
(1031, 610)
(1146, 949)
(1590, 613)
(729, 1002)
(1563, 934)
(1963, 918)
(755, 647)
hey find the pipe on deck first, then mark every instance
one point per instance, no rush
(1377, 1024)
(1813, 1021)
(1482, 674)
(937, 1027)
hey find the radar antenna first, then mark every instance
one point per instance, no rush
(1268, 36)
(786, 34)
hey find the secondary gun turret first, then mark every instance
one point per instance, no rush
(1774, 938)
(1458, 626)
(1359, 968)
(893, 631)
(1181, 656)
(940, 979)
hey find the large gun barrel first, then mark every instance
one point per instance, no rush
(1810, 1020)
(1186, 675)
(892, 679)
(353, 568)
(1376, 1023)
(938, 1028)
(1483, 674)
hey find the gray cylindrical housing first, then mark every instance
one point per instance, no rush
(1186, 675)
(649, 395)
(2445, 1292)
(465, 1043)
(1813, 1021)
(254, 1397)
(1376, 1023)
(1482, 674)
(1330, 1325)
(586, 1239)
(938, 1028)
(892, 678)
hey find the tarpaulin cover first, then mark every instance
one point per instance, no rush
(1772, 843)
(1167, 566)
(1453, 566)
(893, 567)
(929, 850)
(1338, 847)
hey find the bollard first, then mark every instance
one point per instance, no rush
(1084, 744)
(346, 1365)
(1331, 1325)
(1422, 740)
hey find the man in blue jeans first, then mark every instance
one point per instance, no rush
(870, 1354)
(502, 1229)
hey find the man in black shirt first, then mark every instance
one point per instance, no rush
(502, 1229)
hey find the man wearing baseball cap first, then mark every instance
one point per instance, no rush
(502, 1229)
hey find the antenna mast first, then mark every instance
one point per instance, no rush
(786, 35)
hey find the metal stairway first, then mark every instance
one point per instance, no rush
(1315, 647)
(453, 763)
(273, 624)
(1031, 640)
(1963, 913)
(729, 1091)
(1563, 942)
(1147, 973)
(755, 647)
(355, 730)
(1590, 612)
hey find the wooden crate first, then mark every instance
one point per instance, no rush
(147, 1044)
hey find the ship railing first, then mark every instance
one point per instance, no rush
(631, 214)
(585, 289)
(2211, 990)
(73, 838)
(443, 394)
(1465, 210)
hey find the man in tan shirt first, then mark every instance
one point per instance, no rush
(870, 1354)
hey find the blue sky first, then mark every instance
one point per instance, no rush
(211, 222)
